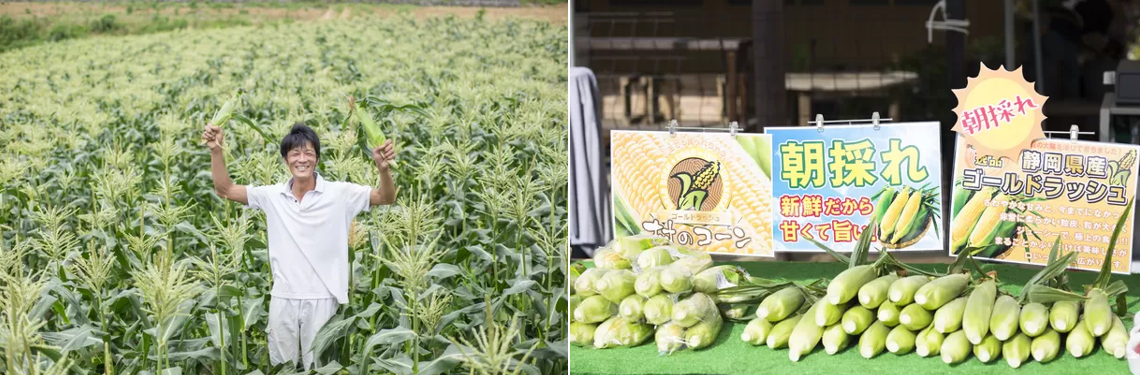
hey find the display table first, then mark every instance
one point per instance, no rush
(730, 355)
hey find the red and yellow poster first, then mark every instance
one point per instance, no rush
(708, 191)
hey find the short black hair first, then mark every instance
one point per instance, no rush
(298, 136)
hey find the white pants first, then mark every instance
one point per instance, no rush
(293, 323)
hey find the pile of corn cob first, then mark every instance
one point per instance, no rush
(641, 287)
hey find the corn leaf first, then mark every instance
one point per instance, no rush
(840, 257)
(1045, 294)
(1103, 278)
(258, 129)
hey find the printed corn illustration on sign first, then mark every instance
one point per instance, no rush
(827, 186)
(1013, 210)
(708, 191)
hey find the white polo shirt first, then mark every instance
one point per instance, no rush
(308, 239)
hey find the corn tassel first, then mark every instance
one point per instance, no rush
(907, 217)
(857, 319)
(1004, 318)
(891, 217)
(1016, 350)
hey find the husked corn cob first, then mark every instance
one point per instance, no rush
(1080, 342)
(873, 340)
(982, 235)
(806, 335)
(875, 292)
(887, 226)
(955, 348)
(782, 331)
(1033, 319)
(989, 349)
(900, 340)
(940, 291)
(889, 314)
(979, 306)
(1003, 319)
(857, 319)
(1098, 315)
(780, 304)
(835, 339)
(1046, 346)
(829, 314)
(1016, 350)
(1063, 315)
(908, 216)
(902, 290)
(846, 285)
(914, 317)
(948, 318)
(1115, 342)
(967, 218)
(928, 342)
(706, 175)
(1128, 160)
(658, 309)
(756, 331)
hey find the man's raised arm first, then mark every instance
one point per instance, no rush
(223, 186)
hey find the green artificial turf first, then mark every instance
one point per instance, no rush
(730, 355)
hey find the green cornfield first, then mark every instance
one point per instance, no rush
(116, 256)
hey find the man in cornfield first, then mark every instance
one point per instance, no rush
(308, 221)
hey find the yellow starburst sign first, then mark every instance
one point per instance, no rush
(999, 112)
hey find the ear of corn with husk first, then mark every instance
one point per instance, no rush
(902, 290)
(948, 318)
(979, 306)
(888, 314)
(1115, 342)
(940, 291)
(582, 334)
(782, 331)
(872, 294)
(928, 342)
(835, 339)
(857, 319)
(955, 347)
(616, 285)
(989, 349)
(1004, 318)
(617, 332)
(756, 332)
(1034, 319)
(900, 340)
(632, 308)
(658, 309)
(1016, 350)
(846, 285)
(873, 340)
(694, 309)
(1063, 315)
(780, 304)
(1045, 347)
(914, 317)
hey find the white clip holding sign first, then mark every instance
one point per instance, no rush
(819, 122)
(672, 127)
(1074, 132)
(875, 120)
(732, 127)
(945, 24)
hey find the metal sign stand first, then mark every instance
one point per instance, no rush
(732, 129)
(819, 123)
(1073, 132)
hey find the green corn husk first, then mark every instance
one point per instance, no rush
(873, 340)
(846, 285)
(872, 294)
(616, 285)
(582, 334)
(1115, 342)
(1016, 350)
(670, 337)
(955, 348)
(989, 349)
(900, 341)
(928, 342)
(941, 291)
(617, 332)
(888, 314)
(835, 339)
(1080, 342)
(631, 247)
(703, 333)
(979, 307)
(739, 312)
(829, 314)
(608, 258)
(654, 257)
(1045, 347)
(692, 261)
(782, 331)
(225, 113)
(676, 279)
(857, 319)
(1034, 318)
(756, 332)
(1004, 318)
(948, 318)
(632, 308)
(885, 199)
(574, 273)
(706, 281)
(595, 309)
(1098, 314)
(901, 292)
(658, 309)
(697, 307)
(585, 285)
(572, 304)
(806, 335)
(648, 283)
(914, 317)
(780, 304)
(1063, 315)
